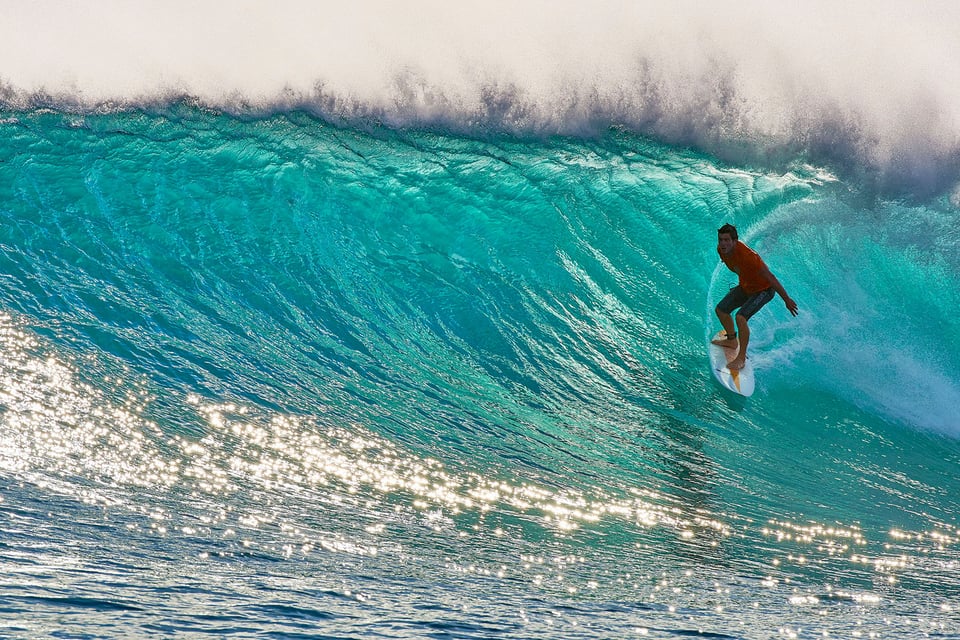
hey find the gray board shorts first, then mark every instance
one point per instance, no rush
(748, 304)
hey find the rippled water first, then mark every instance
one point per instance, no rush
(276, 378)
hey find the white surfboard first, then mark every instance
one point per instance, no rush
(737, 381)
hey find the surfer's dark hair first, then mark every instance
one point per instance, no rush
(728, 228)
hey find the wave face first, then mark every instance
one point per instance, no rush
(346, 379)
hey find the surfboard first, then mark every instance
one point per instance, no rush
(737, 381)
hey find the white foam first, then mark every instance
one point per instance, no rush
(885, 56)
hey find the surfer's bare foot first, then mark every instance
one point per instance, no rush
(737, 364)
(726, 343)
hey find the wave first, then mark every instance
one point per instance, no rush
(369, 252)
(279, 342)
(866, 88)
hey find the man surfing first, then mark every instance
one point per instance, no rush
(755, 289)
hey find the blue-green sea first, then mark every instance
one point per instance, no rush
(304, 371)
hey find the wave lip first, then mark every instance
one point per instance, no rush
(745, 81)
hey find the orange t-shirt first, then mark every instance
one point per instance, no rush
(746, 263)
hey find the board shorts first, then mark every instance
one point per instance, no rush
(748, 304)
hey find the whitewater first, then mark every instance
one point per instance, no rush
(390, 320)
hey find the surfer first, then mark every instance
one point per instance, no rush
(755, 289)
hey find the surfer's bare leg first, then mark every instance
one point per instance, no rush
(726, 321)
(741, 360)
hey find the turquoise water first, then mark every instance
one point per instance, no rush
(289, 376)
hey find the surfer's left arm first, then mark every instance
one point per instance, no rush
(787, 300)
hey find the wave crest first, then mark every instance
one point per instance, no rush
(862, 87)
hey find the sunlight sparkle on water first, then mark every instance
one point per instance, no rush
(58, 426)
(244, 479)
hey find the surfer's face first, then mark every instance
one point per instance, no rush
(725, 241)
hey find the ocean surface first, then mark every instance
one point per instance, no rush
(427, 358)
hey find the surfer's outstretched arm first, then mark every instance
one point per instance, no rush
(775, 283)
